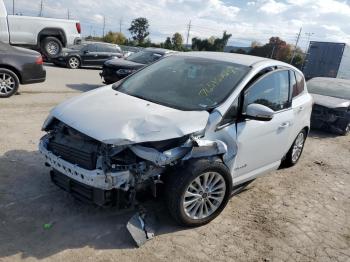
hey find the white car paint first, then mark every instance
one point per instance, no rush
(24, 30)
(116, 118)
(252, 147)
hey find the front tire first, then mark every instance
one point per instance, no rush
(296, 150)
(73, 62)
(198, 192)
(9, 83)
(51, 47)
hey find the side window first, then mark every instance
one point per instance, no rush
(101, 48)
(271, 91)
(299, 88)
(231, 114)
(91, 48)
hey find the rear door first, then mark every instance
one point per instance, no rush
(89, 54)
(301, 104)
(102, 54)
(261, 144)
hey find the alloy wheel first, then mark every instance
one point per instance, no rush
(52, 48)
(298, 147)
(204, 195)
(74, 62)
(7, 83)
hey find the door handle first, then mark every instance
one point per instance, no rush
(284, 125)
(301, 108)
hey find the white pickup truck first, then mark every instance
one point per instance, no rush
(46, 35)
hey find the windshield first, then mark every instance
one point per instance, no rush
(187, 83)
(144, 57)
(338, 88)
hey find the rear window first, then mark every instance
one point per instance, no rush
(298, 83)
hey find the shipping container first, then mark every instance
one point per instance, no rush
(325, 59)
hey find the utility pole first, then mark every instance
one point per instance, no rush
(41, 8)
(68, 14)
(306, 48)
(104, 25)
(120, 25)
(273, 51)
(13, 7)
(308, 40)
(91, 30)
(188, 32)
(296, 45)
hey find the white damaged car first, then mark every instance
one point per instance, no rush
(204, 124)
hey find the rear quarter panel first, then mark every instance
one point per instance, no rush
(24, 30)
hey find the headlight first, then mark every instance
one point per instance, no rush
(125, 71)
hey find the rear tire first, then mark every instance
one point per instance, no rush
(192, 204)
(9, 83)
(51, 47)
(296, 150)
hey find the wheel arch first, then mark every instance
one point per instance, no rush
(52, 31)
(14, 70)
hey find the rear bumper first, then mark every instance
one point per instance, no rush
(34, 76)
(62, 61)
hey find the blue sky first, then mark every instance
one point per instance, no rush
(247, 21)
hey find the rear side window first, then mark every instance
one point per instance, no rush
(271, 91)
(298, 88)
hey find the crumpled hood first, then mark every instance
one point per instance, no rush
(115, 118)
(329, 101)
(122, 63)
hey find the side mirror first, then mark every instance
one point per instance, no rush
(259, 112)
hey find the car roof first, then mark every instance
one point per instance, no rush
(158, 50)
(246, 60)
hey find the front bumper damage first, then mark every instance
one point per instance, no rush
(110, 184)
(334, 120)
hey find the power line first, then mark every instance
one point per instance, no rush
(188, 32)
(308, 40)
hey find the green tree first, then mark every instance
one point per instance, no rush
(177, 41)
(115, 38)
(168, 44)
(139, 29)
(211, 44)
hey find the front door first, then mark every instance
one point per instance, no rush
(262, 144)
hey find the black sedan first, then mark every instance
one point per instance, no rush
(331, 111)
(87, 54)
(19, 66)
(116, 69)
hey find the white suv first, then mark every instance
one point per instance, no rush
(205, 124)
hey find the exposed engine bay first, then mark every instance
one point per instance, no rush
(111, 174)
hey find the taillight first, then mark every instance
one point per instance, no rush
(39, 60)
(78, 27)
